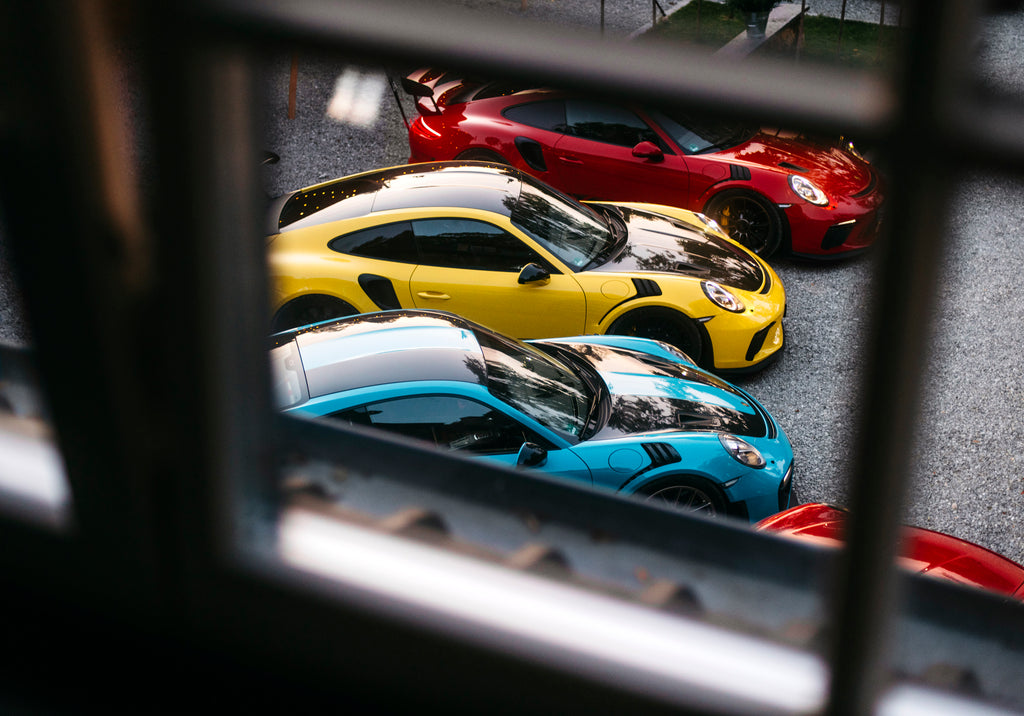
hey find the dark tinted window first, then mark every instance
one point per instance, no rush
(391, 242)
(470, 244)
(548, 115)
(446, 421)
(695, 134)
(571, 231)
(607, 123)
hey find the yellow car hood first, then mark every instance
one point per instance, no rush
(665, 245)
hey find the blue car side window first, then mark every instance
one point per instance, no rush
(449, 422)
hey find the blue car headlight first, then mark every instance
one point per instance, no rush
(741, 450)
(806, 190)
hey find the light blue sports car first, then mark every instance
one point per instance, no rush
(628, 414)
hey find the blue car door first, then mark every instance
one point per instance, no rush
(558, 463)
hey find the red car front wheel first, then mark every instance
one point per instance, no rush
(749, 219)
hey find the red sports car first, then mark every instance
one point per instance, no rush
(924, 551)
(768, 190)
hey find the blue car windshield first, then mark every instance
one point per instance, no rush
(572, 231)
(536, 384)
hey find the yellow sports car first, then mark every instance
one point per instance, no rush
(496, 246)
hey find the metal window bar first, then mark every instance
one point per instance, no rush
(207, 221)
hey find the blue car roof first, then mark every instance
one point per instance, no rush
(347, 356)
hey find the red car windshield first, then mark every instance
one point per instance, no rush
(572, 231)
(694, 135)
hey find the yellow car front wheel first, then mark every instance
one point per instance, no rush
(665, 325)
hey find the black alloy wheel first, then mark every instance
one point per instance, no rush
(748, 219)
(663, 325)
(686, 496)
(309, 309)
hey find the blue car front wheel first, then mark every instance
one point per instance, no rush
(687, 494)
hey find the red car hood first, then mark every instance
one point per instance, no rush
(834, 169)
(924, 551)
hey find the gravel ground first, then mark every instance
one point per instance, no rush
(965, 480)
(622, 17)
(13, 329)
(964, 477)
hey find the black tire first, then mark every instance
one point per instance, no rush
(482, 155)
(665, 325)
(748, 219)
(686, 494)
(309, 309)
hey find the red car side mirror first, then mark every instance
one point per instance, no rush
(648, 150)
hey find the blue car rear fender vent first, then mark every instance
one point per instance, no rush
(660, 454)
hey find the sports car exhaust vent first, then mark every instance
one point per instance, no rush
(646, 287)
(794, 167)
(738, 173)
(661, 454)
(691, 269)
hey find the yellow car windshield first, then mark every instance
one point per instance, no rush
(572, 231)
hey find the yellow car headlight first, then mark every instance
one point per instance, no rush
(722, 297)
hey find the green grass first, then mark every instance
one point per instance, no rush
(716, 25)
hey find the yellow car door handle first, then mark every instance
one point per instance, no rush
(434, 294)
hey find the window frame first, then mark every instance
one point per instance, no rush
(156, 540)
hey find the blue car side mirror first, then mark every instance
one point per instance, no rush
(531, 455)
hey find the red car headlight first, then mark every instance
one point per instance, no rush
(807, 191)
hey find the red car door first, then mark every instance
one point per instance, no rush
(595, 159)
